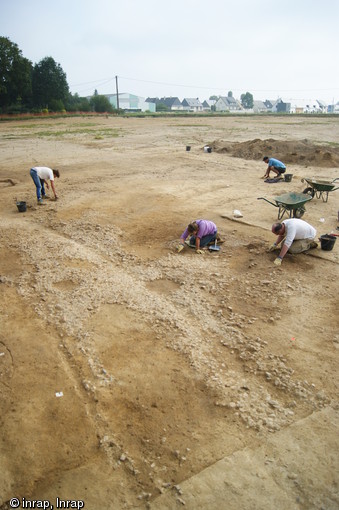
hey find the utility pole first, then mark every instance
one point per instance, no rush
(116, 86)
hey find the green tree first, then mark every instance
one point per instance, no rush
(214, 98)
(56, 105)
(100, 104)
(161, 107)
(77, 104)
(49, 83)
(15, 76)
(247, 100)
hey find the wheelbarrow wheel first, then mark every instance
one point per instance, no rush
(309, 191)
(298, 213)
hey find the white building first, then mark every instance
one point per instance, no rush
(192, 105)
(228, 104)
(208, 104)
(308, 106)
(259, 107)
(130, 102)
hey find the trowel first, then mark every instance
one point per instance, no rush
(214, 247)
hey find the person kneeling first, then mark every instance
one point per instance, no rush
(298, 236)
(201, 232)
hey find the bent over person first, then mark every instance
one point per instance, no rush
(201, 232)
(273, 165)
(298, 236)
(41, 175)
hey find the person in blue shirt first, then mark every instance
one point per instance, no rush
(274, 165)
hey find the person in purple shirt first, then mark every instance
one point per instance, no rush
(201, 232)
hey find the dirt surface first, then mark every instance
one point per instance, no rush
(302, 152)
(128, 371)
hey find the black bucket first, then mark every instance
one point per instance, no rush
(21, 206)
(188, 148)
(209, 149)
(327, 242)
(288, 177)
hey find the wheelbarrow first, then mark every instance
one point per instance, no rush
(290, 203)
(319, 188)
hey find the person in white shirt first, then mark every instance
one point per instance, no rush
(298, 236)
(41, 175)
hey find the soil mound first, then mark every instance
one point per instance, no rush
(295, 152)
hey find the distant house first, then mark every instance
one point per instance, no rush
(322, 106)
(311, 107)
(130, 102)
(283, 107)
(259, 107)
(208, 104)
(192, 105)
(308, 106)
(154, 100)
(228, 104)
(277, 106)
(333, 108)
(172, 103)
(297, 109)
(269, 104)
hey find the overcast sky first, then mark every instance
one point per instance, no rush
(184, 48)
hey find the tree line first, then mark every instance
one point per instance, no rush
(42, 87)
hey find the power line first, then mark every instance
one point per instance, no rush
(95, 83)
(104, 81)
(223, 87)
(88, 82)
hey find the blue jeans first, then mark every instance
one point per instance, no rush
(205, 239)
(43, 192)
(40, 185)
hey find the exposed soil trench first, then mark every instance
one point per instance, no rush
(164, 363)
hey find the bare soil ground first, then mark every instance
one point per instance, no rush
(201, 380)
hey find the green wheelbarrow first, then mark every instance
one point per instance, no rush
(319, 188)
(293, 204)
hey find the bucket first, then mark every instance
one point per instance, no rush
(209, 149)
(288, 177)
(327, 242)
(188, 147)
(21, 206)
